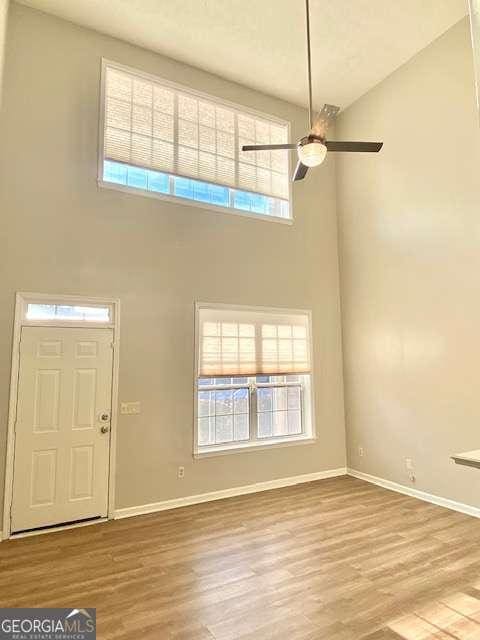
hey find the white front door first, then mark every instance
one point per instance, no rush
(62, 431)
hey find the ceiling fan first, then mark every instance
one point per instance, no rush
(313, 148)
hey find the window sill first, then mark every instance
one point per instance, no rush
(192, 203)
(208, 452)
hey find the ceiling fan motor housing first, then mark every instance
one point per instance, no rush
(309, 139)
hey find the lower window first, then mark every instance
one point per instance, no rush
(238, 412)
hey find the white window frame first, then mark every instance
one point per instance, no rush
(308, 435)
(176, 199)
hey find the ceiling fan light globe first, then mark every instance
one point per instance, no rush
(312, 154)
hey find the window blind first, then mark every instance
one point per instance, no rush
(240, 342)
(160, 127)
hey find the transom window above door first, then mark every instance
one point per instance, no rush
(65, 310)
(40, 311)
(253, 378)
(168, 141)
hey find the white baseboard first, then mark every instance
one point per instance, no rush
(415, 493)
(143, 509)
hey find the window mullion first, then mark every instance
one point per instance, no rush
(258, 358)
(253, 417)
(131, 122)
(175, 133)
(237, 150)
(302, 410)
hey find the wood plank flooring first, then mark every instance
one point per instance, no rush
(336, 559)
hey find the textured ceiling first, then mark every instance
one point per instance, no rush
(261, 43)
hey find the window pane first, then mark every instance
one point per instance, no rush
(204, 404)
(264, 399)
(158, 182)
(241, 401)
(280, 426)
(223, 414)
(223, 402)
(204, 432)
(224, 429)
(294, 422)
(115, 172)
(293, 398)
(280, 399)
(183, 187)
(265, 425)
(279, 408)
(137, 178)
(41, 311)
(219, 196)
(67, 312)
(241, 427)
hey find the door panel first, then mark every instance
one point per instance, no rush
(84, 397)
(81, 472)
(61, 455)
(44, 465)
(46, 400)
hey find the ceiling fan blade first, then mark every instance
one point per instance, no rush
(267, 147)
(300, 171)
(324, 119)
(336, 145)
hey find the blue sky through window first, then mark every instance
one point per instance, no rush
(191, 189)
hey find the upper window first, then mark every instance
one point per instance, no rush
(169, 141)
(253, 378)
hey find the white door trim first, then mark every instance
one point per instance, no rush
(21, 301)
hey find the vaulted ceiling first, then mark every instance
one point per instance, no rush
(261, 43)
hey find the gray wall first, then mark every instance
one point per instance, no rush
(410, 272)
(60, 233)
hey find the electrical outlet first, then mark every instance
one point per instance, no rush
(130, 408)
(361, 452)
(181, 473)
(410, 469)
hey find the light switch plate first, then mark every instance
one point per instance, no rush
(130, 408)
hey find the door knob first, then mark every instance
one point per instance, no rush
(104, 428)
(104, 417)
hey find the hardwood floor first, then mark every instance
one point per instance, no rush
(336, 559)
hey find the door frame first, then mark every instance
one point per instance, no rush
(22, 299)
